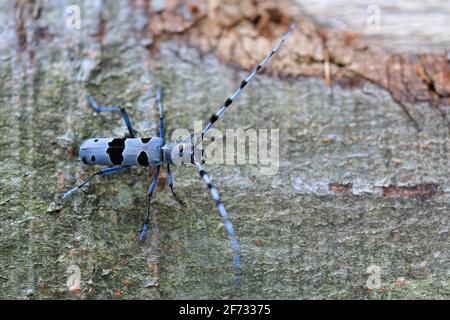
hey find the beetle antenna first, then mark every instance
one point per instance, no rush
(226, 220)
(216, 116)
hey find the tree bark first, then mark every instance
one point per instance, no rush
(364, 160)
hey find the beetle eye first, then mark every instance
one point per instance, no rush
(93, 158)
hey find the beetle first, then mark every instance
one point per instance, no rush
(123, 153)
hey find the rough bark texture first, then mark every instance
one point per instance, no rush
(363, 177)
(239, 31)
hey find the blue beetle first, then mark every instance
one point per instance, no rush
(122, 153)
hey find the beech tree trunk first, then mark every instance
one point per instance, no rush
(358, 209)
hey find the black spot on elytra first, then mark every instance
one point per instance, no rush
(143, 159)
(93, 158)
(115, 150)
(145, 140)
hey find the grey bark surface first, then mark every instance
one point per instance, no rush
(417, 25)
(357, 186)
